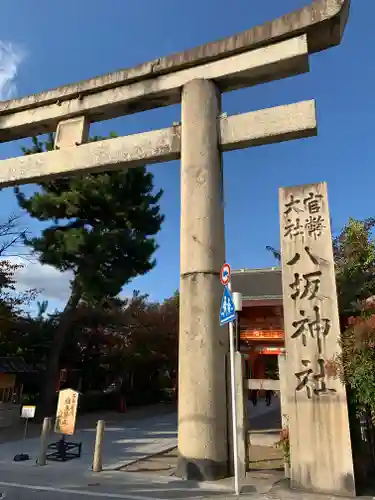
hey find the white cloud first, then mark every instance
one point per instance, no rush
(52, 284)
(11, 57)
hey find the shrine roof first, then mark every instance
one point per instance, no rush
(258, 284)
(323, 21)
(14, 365)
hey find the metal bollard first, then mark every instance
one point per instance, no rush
(46, 429)
(97, 464)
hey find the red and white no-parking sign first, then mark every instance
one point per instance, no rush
(225, 274)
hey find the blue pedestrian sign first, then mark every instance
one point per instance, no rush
(227, 309)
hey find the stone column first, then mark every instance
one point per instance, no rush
(202, 420)
(319, 433)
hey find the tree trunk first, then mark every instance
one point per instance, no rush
(53, 365)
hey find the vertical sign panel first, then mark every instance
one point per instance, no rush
(66, 412)
(321, 456)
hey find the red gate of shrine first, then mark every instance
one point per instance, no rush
(261, 349)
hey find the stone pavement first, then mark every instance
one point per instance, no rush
(134, 414)
(133, 435)
(262, 459)
(40, 483)
(124, 442)
(127, 440)
(264, 422)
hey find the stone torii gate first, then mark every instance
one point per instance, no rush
(196, 78)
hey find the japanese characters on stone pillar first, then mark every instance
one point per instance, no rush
(321, 456)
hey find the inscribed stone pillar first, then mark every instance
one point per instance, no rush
(202, 406)
(321, 454)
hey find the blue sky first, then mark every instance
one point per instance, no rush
(65, 42)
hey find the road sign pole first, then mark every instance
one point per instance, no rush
(234, 407)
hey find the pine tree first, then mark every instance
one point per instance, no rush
(102, 229)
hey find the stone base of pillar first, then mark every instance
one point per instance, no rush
(201, 469)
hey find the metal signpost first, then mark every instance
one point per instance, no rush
(228, 315)
(26, 413)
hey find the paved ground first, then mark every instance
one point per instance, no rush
(132, 487)
(16, 433)
(265, 418)
(19, 483)
(124, 442)
(264, 423)
(262, 458)
(114, 484)
(128, 438)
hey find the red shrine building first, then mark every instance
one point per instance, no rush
(261, 319)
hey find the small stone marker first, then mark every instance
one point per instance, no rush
(321, 455)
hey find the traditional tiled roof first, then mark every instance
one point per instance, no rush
(258, 284)
(14, 365)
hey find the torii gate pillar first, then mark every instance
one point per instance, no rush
(202, 412)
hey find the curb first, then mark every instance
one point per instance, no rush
(144, 457)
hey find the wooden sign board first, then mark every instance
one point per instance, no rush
(66, 412)
(262, 335)
(268, 351)
(28, 411)
(320, 446)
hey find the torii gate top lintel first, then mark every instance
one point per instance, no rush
(323, 21)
